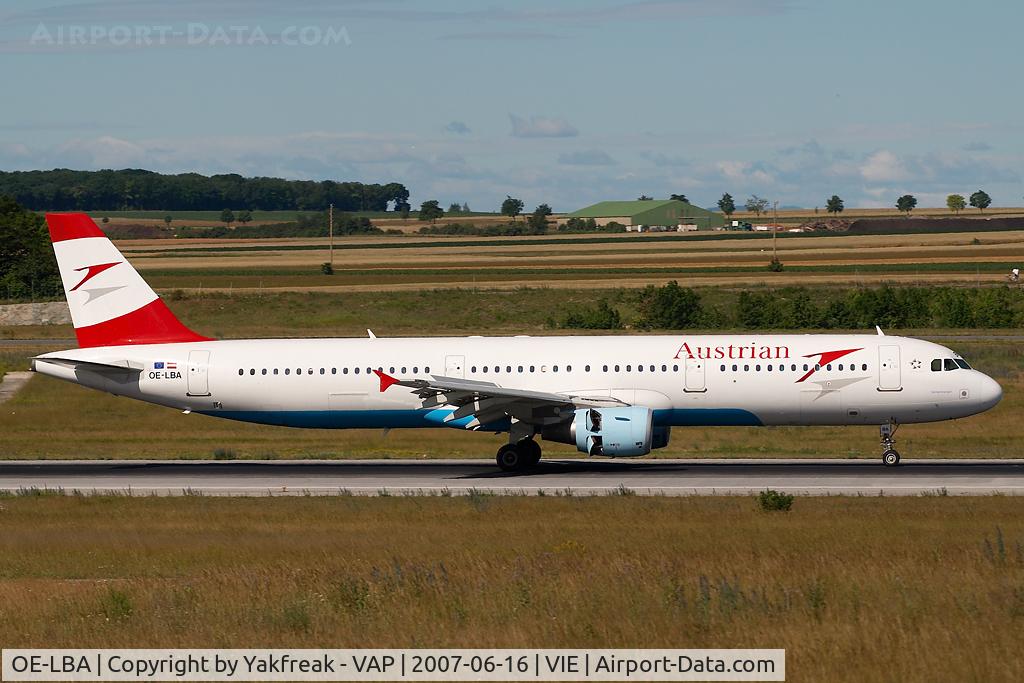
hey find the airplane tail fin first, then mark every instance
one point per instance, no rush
(111, 305)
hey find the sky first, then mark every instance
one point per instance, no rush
(565, 102)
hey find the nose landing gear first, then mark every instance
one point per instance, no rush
(890, 456)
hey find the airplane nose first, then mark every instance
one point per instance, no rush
(989, 391)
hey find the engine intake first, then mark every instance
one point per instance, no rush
(623, 432)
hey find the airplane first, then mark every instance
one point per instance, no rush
(616, 396)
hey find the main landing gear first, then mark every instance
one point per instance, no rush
(519, 455)
(890, 456)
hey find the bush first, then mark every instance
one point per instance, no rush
(601, 317)
(771, 500)
(326, 268)
(670, 307)
(223, 454)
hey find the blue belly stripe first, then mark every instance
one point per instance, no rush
(407, 419)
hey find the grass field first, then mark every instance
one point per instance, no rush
(855, 589)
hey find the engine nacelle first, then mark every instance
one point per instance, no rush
(623, 432)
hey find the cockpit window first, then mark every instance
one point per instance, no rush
(962, 363)
(949, 364)
(936, 365)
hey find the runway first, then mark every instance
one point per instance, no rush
(455, 477)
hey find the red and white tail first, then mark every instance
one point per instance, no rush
(111, 305)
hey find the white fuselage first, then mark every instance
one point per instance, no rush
(732, 379)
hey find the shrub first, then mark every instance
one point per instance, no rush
(223, 454)
(326, 268)
(601, 317)
(771, 500)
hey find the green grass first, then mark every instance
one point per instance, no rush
(855, 589)
(257, 215)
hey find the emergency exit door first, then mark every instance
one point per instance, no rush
(695, 373)
(455, 366)
(198, 373)
(889, 377)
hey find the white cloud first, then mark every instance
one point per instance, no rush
(883, 166)
(541, 127)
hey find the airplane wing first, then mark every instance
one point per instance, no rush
(486, 402)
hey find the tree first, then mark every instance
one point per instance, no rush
(679, 198)
(980, 200)
(511, 207)
(834, 204)
(430, 210)
(465, 207)
(167, 220)
(28, 267)
(956, 203)
(227, 216)
(727, 205)
(644, 198)
(403, 208)
(538, 220)
(756, 204)
(454, 208)
(906, 203)
(244, 216)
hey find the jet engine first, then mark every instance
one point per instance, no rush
(622, 432)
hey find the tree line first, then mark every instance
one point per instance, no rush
(135, 189)
(673, 307)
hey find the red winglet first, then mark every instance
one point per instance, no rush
(386, 380)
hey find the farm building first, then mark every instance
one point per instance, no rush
(670, 213)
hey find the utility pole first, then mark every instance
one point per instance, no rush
(775, 230)
(330, 231)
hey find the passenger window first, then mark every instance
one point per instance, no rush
(473, 369)
(568, 368)
(586, 368)
(758, 367)
(675, 368)
(652, 368)
(533, 368)
(275, 371)
(629, 368)
(829, 367)
(264, 371)
(723, 368)
(734, 367)
(949, 364)
(334, 371)
(391, 370)
(639, 368)
(746, 368)
(484, 369)
(617, 368)
(323, 371)
(344, 371)
(416, 370)
(664, 368)
(403, 371)
(355, 371)
(769, 368)
(554, 368)
(287, 371)
(864, 366)
(936, 365)
(497, 368)
(805, 367)
(521, 368)
(793, 367)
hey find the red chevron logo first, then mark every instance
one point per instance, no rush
(825, 357)
(93, 272)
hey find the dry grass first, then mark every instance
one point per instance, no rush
(856, 589)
